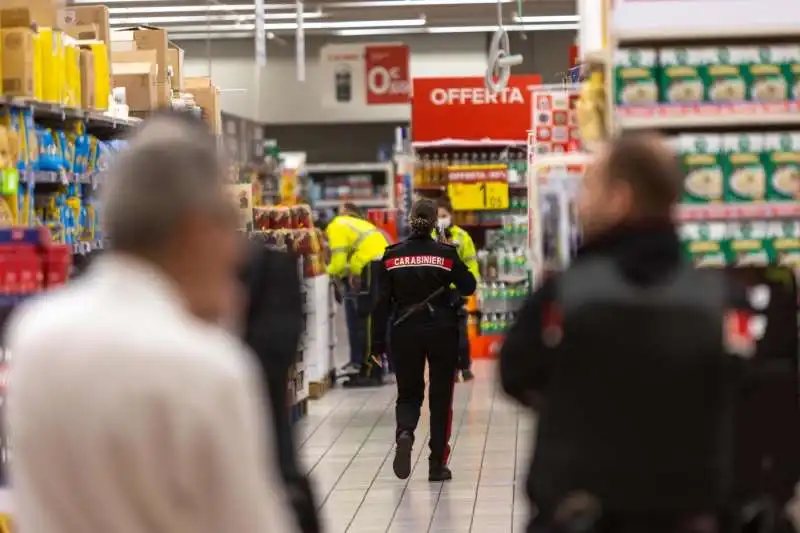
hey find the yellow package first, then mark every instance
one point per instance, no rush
(72, 74)
(53, 65)
(38, 73)
(102, 75)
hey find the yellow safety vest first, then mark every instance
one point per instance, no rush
(354, 243)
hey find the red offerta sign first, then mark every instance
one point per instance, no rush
(462, 108)
(387, 74)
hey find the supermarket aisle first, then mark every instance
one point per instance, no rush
(347, 443)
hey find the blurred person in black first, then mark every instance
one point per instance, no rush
(273, 325)
(623, 358)
(414, 281)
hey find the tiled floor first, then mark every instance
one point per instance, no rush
(347, 443)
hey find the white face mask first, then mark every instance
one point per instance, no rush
(444, 223)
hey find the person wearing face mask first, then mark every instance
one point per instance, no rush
(458, 237)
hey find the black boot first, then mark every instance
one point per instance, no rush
(438, 471)
(402, 455)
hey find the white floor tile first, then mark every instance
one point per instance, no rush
(347, 445)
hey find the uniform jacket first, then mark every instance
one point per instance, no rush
(354, 243)
(128, 414)
(461, 239)
(410, 272)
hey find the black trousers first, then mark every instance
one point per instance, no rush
(464, 362)
(411, 347)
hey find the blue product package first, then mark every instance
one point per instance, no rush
(50, 157)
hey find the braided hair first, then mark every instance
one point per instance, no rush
(422, 218)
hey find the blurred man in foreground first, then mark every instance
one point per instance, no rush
(131, 409)
(273, 326)
(622, 356)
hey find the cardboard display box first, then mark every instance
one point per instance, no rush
(88, 92)
(162, 91)
(206, 95)
(27, 13)
(147, 38)
(18, 62)
(139, 81)
(175, 62)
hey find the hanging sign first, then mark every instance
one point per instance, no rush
(478, 187)
(463, 109)
(362, 75)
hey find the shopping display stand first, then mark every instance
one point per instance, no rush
(722, 81)
(472, 146)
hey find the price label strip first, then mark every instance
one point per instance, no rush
(478, 187)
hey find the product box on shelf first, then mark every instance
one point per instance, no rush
(636, 76)
(770, 75)
(140, 38)
(744, 172)
(207, 97)
(782, 161)
(29, 13)
(19, 62)
(139, 81)
(175, 63)
(81, 20)
(703, 162)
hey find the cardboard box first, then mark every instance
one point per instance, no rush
(88, 92)
(82, 16)
(139, 81)
(206, 95)
(19, 59)
(27, 13)
(89, 32)
(175, 63)
(162, 91)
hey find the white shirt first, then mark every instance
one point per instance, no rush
(128, 415)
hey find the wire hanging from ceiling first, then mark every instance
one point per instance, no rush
(500, 57)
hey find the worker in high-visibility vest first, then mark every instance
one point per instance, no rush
(459, 238)
(354, 244)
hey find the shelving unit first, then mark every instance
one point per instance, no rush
(367, 185)
(736, 126)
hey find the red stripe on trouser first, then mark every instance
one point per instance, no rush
(449, 429)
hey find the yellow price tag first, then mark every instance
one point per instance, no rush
(478, 196)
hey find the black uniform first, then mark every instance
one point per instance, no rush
(622, 355)
(410, 273)
(273, 326)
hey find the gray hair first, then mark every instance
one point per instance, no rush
(170, 168)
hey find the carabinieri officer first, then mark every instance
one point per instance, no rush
(415, 280)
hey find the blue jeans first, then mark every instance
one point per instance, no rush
(356, 331)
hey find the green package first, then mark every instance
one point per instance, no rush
(704, 243)
(750, 244)
(769, 74)
(724, 75)
(786, 246)
(702, 159)
(745, 173)
(681, 76)
(783, 166)
(635, 76)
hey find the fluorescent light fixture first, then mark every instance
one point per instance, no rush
(490, 29)
(400, 23)
(454, 29)
(224, 8)
(213, 36)
(547, 19)
(131, 21)
(410, 3)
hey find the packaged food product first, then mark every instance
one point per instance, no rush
(280, 218)
(786, 246)
(750, 243)
(261, 216)
(705, 243)
(636, 76)
(682, 74)
(782, 162)
(746, 176)
(769, 74)
(702, 159)
(724, 74)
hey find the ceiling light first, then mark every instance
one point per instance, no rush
(547, 19)
(410, 3)
(204, 36)
(130, 21)
(149, 10)
(379, 31)
(308, 26)
(489, 29)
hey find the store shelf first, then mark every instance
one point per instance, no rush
(689, 213)
(457, 143)
(50, 111)
(714, 116)
(688, 33)
(360, 202)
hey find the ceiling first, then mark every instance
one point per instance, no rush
(201, 19)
